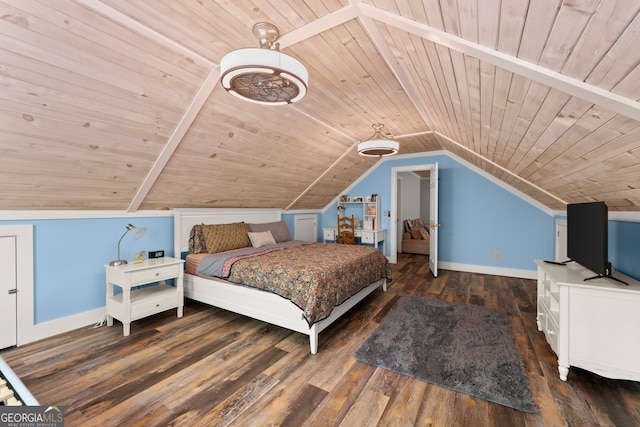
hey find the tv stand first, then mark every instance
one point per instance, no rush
(593, 325)
(607, 277)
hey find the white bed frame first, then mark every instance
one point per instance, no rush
(251, 302)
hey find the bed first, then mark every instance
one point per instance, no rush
(264, 305)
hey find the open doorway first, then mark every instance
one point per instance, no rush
(413, 197)
(407, 194)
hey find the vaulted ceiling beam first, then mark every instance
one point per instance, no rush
(139, 28)
(367, 15)
(593, 94)
(382, 47)
(190, 113)
(174, 140)
(318, 26)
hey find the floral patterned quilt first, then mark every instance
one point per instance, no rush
(315, 277)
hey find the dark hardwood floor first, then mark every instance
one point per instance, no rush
(212, 367)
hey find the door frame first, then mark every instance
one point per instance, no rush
(399, 184)
(560, 246)
(24, 277)
(393, 226)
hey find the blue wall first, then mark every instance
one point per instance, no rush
(70, 254)
(477, 216)
(624, 247)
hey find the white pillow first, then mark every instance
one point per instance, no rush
(261, 238)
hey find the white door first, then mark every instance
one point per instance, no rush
(561, 240)
(433, 220)
(8, 296)
(305, 227)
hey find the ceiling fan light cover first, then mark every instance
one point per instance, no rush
(378, 147)
(264, 76)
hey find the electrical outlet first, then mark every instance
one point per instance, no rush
(156, 254)
(496, 255)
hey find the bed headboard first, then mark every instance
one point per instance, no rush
(184, 219)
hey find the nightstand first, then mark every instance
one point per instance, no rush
(135, 301)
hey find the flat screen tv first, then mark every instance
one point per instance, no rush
(587, 237)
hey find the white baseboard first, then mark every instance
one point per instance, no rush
(59, 326)
(496, 271)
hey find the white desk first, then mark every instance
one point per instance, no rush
(371, 237)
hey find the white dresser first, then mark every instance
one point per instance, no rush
(594, 325)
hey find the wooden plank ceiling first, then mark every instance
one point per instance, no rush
(116, 104)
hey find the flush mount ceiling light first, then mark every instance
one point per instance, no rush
(378, 145)
(264, 75)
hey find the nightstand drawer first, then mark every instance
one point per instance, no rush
(329, 235)
(154, 300)
(155, 274)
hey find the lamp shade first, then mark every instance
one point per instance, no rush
(137, 232)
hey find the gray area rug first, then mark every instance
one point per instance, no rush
(461, 347)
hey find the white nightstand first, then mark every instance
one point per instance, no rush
(137, 302)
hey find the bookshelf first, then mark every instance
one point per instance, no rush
(370, 205)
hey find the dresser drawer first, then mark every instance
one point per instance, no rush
(329, 235)
(551, 332)
(155, 274)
